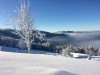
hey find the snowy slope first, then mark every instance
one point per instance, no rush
(43, 64)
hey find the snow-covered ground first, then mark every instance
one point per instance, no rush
(12, 63)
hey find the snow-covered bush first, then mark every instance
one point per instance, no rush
(64, 52)
(67, 51)
(99, 52)
(47, 46)
(21, 44)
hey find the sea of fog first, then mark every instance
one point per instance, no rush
(83, 39)
(78, 39)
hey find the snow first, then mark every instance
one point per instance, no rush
(79, 55)
(9, 49)
(12, 63)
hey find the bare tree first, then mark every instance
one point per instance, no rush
(23, 23)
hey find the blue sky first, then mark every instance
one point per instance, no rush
(58, 15)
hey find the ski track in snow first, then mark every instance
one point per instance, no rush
(42, 64)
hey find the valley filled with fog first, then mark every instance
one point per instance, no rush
(83, 39)
(78, 39)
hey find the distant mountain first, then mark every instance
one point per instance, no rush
(13, 34)
(9, 33)
(62, 32)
